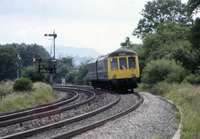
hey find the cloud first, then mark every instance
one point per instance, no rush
(101, 25)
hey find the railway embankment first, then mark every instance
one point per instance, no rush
(187, 97)
(15, 101)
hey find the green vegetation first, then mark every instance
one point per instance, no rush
(23, 84)
(156, 137)
(8, 58)
(161, 11)
(163, 70)
(40, 94)
(169, 54)
(187, 97)
(5, 90)
(31, 73)
(29, 69)
(170, 57)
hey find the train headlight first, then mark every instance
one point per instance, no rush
(133, 74)
(114, 76)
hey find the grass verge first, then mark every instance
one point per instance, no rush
(187, 97)
(40, 94)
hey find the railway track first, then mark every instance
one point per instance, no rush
(78, 118)
(44, 111)
(17, 117)
(99, 122)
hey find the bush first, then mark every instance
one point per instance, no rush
(160, 88)
(193, 79)
(23, 84)
(41, 94)
(163, 70)
(31, 72)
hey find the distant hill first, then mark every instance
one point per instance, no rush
(79, 54)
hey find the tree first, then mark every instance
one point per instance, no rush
(70, 76)
(195, 34)
(160, 11)
(31, 72)
(193, 5)
(171, 41)
(27, 52)
(7, 63)
(23, 84)
(64, 66)
(127, 43)
(163, 70)
(81, 78)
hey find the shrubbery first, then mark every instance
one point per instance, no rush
(31, 73)
(163, 70)
(193, 79)
(23, 84)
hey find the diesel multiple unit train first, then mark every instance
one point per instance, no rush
(117, 70)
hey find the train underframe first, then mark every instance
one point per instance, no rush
(117, 84)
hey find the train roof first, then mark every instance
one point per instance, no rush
(122, 52)
(115, 53)
(98, 59)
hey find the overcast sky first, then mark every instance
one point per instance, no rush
(98, 24)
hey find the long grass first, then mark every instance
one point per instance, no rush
(187, 97)
(40, 94)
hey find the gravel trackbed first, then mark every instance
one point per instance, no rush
(154, 118)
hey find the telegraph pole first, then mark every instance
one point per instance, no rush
(17, 56)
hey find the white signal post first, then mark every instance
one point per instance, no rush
(54, 37)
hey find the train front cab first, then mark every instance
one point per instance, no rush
(123, 71)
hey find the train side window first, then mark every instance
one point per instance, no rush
(123, 64)
(114, 65)
(131, 61)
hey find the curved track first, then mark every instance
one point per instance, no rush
(48, 110)
(100, 122)
(13, 118)
(69, 121)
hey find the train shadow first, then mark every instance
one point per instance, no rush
(124, 91)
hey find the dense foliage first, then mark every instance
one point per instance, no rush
(78, 76)
(31, 73)
(163, 70)
(7, 63)
(195, 34)
(171, 41)
(193, 5)
(64, 66)
(160, 11)
(23, 84)
(168, 35)
(9, 58)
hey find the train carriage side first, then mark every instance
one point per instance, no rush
(98, 72)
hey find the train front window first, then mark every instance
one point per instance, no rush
(123, 64)
(131, 62)
(114, 65)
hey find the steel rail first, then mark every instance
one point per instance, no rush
(99, 123)
(61, 123)
(38, 109)
(48, 113)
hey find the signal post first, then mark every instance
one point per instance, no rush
(54, 58)
(51, 67)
